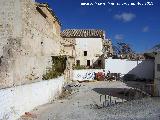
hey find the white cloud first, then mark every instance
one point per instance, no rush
(145, 29)
(119, 37)
(125, 17)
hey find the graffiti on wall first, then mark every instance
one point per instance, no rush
(86, 76)
(82, 75)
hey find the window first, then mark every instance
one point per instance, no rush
(158, 67)
(99, 62)
(78, 62)
(85, 53)
(88, 62)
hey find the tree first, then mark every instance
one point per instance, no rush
(123, 50)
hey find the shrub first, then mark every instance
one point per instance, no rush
(78, 67)
(57, 69)
(50, 74)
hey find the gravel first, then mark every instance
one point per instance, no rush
(84, 104)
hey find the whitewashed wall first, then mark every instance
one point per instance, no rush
(85, 74)
(14, 102)
(93, 46)
(142, 69)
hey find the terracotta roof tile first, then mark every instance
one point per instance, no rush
(82, 33)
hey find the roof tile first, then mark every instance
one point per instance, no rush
(82, 33)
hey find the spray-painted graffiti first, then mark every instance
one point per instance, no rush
(84, 74)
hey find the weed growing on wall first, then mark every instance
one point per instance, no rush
(57, 69)
(78, 67)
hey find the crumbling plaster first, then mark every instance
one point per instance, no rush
(27, 43)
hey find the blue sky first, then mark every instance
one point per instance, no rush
(139, 26)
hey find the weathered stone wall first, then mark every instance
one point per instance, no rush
(39, 32)
(157, 61)
(52, 20)
(10, 37)
(157, 75)
(69, 46)
(58, 28)
(69, 51)
(27, 43)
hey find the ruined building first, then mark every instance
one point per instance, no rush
(90, 46)
(107, 48)
(29, 37)
(70, 53)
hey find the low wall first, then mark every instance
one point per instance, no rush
(142, 69)
(85, 74)
(15, 101)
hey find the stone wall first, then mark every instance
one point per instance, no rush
(69, 47)
(107, 48)
(157, 75)
(69, 51)
(27, 43)
(51, 18)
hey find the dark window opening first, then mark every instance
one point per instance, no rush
(1, 60)
(85, 53)
(41, 12)
(78, 62)
(99, 62)
(88, 62)
(158, 67)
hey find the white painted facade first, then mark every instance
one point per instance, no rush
(85, 74)
(15, 101)
(93, 46)
(142, 69)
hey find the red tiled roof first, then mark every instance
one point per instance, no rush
(82, 33)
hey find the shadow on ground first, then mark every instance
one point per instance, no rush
(143, 86)
(122, 93)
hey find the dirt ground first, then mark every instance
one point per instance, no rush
(90, 101)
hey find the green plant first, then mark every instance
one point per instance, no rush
(57, 69)
(51, 74)
(78, 67)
